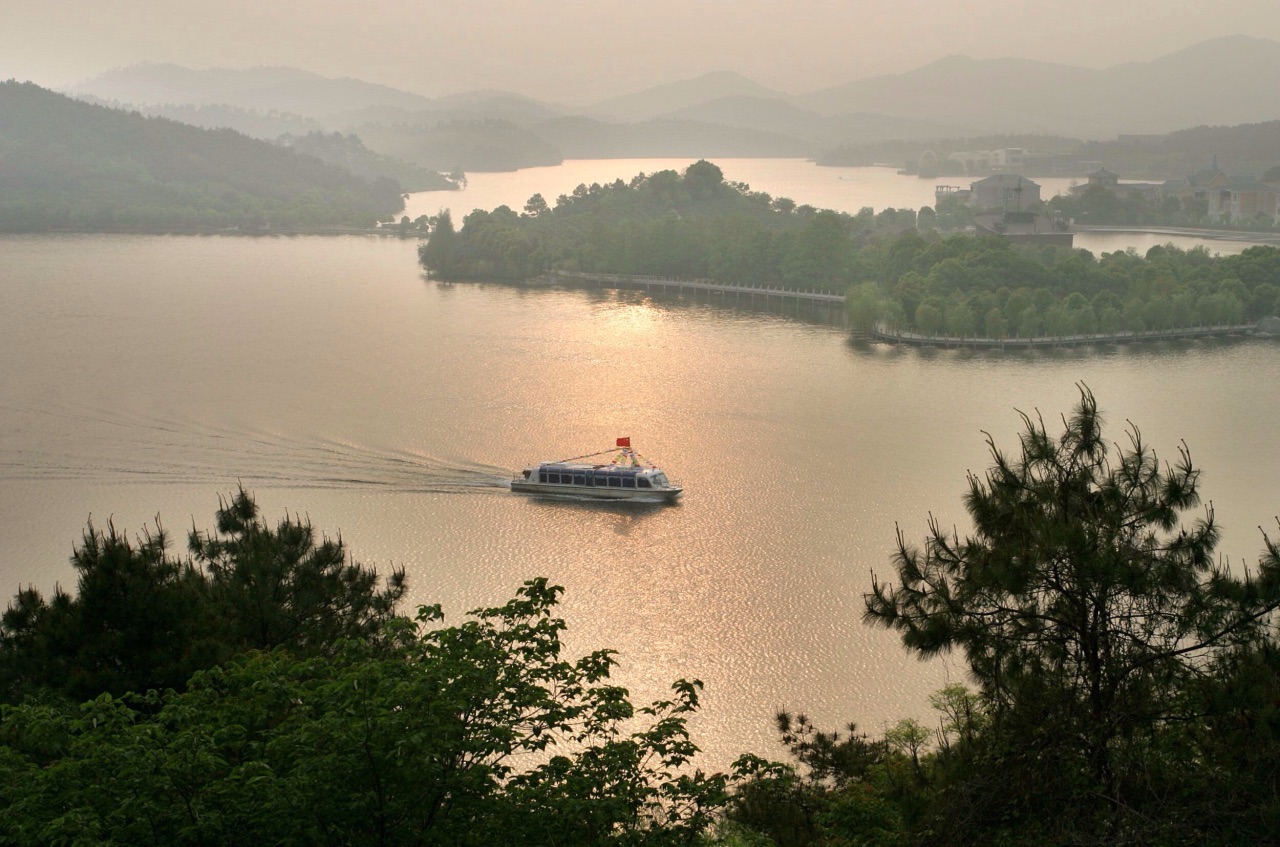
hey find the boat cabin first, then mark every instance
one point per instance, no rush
(602, 476)
(626, 477)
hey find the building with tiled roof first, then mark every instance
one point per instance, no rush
(1025, 228)
(1004, 193)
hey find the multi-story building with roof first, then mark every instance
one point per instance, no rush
(1004, 193)
(1230, 199)
(1226, 199)
(1103, 178)
(1246, 200)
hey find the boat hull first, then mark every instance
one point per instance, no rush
(597, 492)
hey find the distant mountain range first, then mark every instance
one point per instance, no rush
(1229, 80)
(1224, 81)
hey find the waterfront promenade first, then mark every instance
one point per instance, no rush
(915, 339)
(882, 332)
(1250, 236)
(670, 284)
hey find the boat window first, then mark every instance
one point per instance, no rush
(555, 477)
(643, 482)
(629, 482)
(601, 479)
(543, 476)
(579, 479)
(615, 482)
(661, 480)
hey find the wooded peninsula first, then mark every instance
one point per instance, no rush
(898, 267)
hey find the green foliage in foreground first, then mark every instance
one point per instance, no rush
(1127, 693)
(477, 734)
(1128, 681)
(65, 164)
(142, 619)
(697, 225)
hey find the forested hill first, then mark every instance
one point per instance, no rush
(349, 152)
(65, 164)
(694, 224)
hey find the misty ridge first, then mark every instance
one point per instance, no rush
(1222, 82)
(65, 164)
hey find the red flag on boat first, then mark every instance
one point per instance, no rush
(624, 442)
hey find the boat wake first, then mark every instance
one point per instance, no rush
(631, 504)
(54, 444)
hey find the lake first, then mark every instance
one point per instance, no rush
(146, 375)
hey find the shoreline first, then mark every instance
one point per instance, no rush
(389, 232)
(1269, 237)
(914, 339)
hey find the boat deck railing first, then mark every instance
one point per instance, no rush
(883, 333)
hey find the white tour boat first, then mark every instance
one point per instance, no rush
(625, 476)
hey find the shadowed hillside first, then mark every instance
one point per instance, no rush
(71, 165)
(281, 89)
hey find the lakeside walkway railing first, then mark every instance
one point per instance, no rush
(649, 283)
(895, 336)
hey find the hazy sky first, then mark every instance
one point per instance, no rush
(576, 51)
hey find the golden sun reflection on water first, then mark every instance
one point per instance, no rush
(630, 323)
(331, 379)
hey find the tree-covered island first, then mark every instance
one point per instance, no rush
(267, 689)
(897, 267)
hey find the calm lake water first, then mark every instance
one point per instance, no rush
(146, 375)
